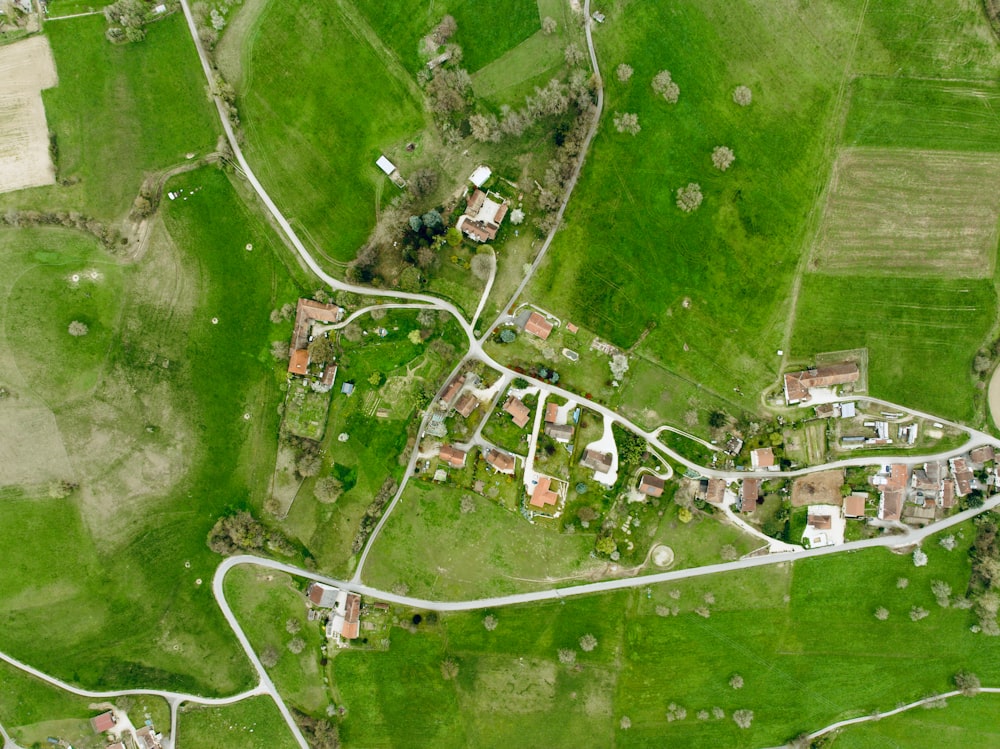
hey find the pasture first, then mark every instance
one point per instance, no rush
(247, 724)
(910, 213)
(921, 333)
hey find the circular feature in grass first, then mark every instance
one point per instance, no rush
(663, 556)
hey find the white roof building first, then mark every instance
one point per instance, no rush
(480, 176)
(385, 165)
(847, 410)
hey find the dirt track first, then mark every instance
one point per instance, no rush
(994, 398)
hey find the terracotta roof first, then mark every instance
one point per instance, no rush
(103, 722)
(924, 483)
(559, 432)
(308, 310)
(897, 476)
(651, 485)
(502, 461)
(891, 505)
(854, 506)
(963, 476)
(762, 457)
(466, 405)
(551, 412)
(352, 617)
(329, 375)
(452, 456)
(538, 325)
(750, 491)
(322, 595)
(797, 384)
(543, 494)
(571, 328)
(298, 362)
(716, 491)
(947, 494)
(820, 522)
(600, 462)
(519, 412)
(982, 454)
(453, 387)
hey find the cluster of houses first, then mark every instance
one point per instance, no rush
(799, 384)
(312, 318)
(343, 622)
(881, 432)
(108, 723)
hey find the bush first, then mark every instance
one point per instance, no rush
(624, 72)
(689, 197)
(742, 95)
(588, 642)
(78, 329)
(743, 718)
(663, 84)
(627, 122)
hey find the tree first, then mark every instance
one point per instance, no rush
(433, 221)
(902, 582)
(881, 613)
(449, 669)
(718, 713)
(625, 723)
(517, 216)
(689, 197)
(743, 718)
(308, 465)
(269, 656)
(573, 54)
(981, 363)
(606, 545)
(586, 514)
(722, 158)
(619, 366)
(728, 553)
(917, 613)
(490, 622)
(717, 419)
(549, 25)
(445, 30)
(449, 90)
(630, 447)
(507, 335)
(624, 72)
(482, 266)
(703, 611)
(919, 558)
(296, 645)
(423, 182)
(485, 128)
(567, 656)
(664, 85)
(293, 626)
(742, 95)
(967, 683)
(736, 681)
(627, 122)
(519, 383)
(467, 504)
(588, 642)
(947, 542)
(78, 329)
(328, 490)
(942, 592)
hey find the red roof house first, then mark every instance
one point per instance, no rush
(538, 326)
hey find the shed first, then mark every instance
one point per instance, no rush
(385, 165)
(480, 176)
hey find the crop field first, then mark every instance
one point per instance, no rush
(315, 126)
(921, 333)
(923, 114)
(911, 213)
(247, 724)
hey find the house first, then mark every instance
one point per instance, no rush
(519, 412)
(501, 461)
(571, 328)
(598, 461)
(324, 596)
(308, 312)
(385, 165)
(749, 493)
(466, 405)
(298, 362)
(148, 738)
(923, 483)
(820, 522)
(452, 456)
(848, 410)
(483, 216)
(716, 491)
(328, 375)
(104, 722)
(452, 390)
(480, 176)
(559, 432)
(537, 326)
(762, 457)
(734, 445)
(963, 476)
(651, 486)
(947, 494)
(352, 617)
(854, 505)
(982, 454)
(798, 384)
(891, 505)
(543, 494)
(551, 412)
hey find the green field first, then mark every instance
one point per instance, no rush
(315, 124)
(963, 724)
(247, 724)
(119, 113)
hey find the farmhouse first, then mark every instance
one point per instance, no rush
(452, 456)
(551, 412)
(104, 722)
(890, 506)
(762, 457)
(537, 326)
(501, 461)
(651, 486)
(964, 477)
(854, 505)
(519, 412)
(749, 494)
(148, 738)
(798, 384)
(947, 494)
(452, 390)
(352, 617)
(466, 405)
(559, 432)
(598, 461)
(716, 491)
(483, 216)
(322, 595)
(543, 494)
(307, 314)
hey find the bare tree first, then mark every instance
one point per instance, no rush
(948, 542)
(624, 72)
(308, 465)
(490, 622)
(743, 718)
(328, 490)
(663, 611)
(742, 95)
(293, 626)
(917, 613)
(967, 683)
(703, 611)
(881, 613)
(444, 30)
(423, 182)
(727, 552)
(549, 25)
(736, 681)
(942, 592)
(78, 329)
(574, 55)
(588, 642)
(718, 713)
(482, 266)
(467, 504)
(517, 216)
(665, 86)
(485, 128)
(625, 723)
(449, 90)
(449, 669)
(723, 158)
(689, 197)
(269, 656)
(567, 656)
(709, 598)
(296, 645)
(627, 122)
(902, 582)
(279, 350)
(919, 558)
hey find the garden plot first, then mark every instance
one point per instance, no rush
(910, 212)
(26, 68)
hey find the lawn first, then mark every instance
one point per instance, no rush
(120, 111)
(315, 125)
(921, 334)
(248, 724)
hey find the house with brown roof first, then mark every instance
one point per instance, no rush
(982, 454)
(798, 384)
(537, 325)
(148, 738)
(502, 462)
(762, 457)
(947, 494)
(854, 505)
(104, 722)
(483, 216)
(559, 432)
(716, 491)
(596, 460)
(322, 595)
(963, 476)
(651, 486)
(452, 390)
(890, 506)
(452, 456)
(298, 362)
(542, 495)
(820, 522)
(551, 412)
(307, 313)
(466, 405)
(352, 617)
(519, 412)
(749, 494)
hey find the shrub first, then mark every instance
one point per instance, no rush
(664, 85)
(743, 718)
(588, 642)
(490, 622)
(742, 95)
(881, 613)
(296, 645)
(689, 197)
(919, 558)
(736, 681)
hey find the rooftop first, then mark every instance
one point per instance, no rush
(854, 506)
(503, 462)
(452, 456)
(538, 326)
(716, 491)
(519, 412)
(762, 457)
(597, 460)
(543, 494)
(467, 404)
(651, 485)
(103, 723)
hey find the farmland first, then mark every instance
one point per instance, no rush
(910, 213)
(248, 724)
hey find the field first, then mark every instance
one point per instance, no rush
(247, 724)
(26, 68)
(911, 213)
(118, 113)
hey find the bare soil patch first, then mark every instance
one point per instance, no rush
(821, 488)
(911, 211)
(994, 398)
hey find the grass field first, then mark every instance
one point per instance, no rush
(248, 724)
(921, 333)
(118, 113)
(910, 213)
(315, 126)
